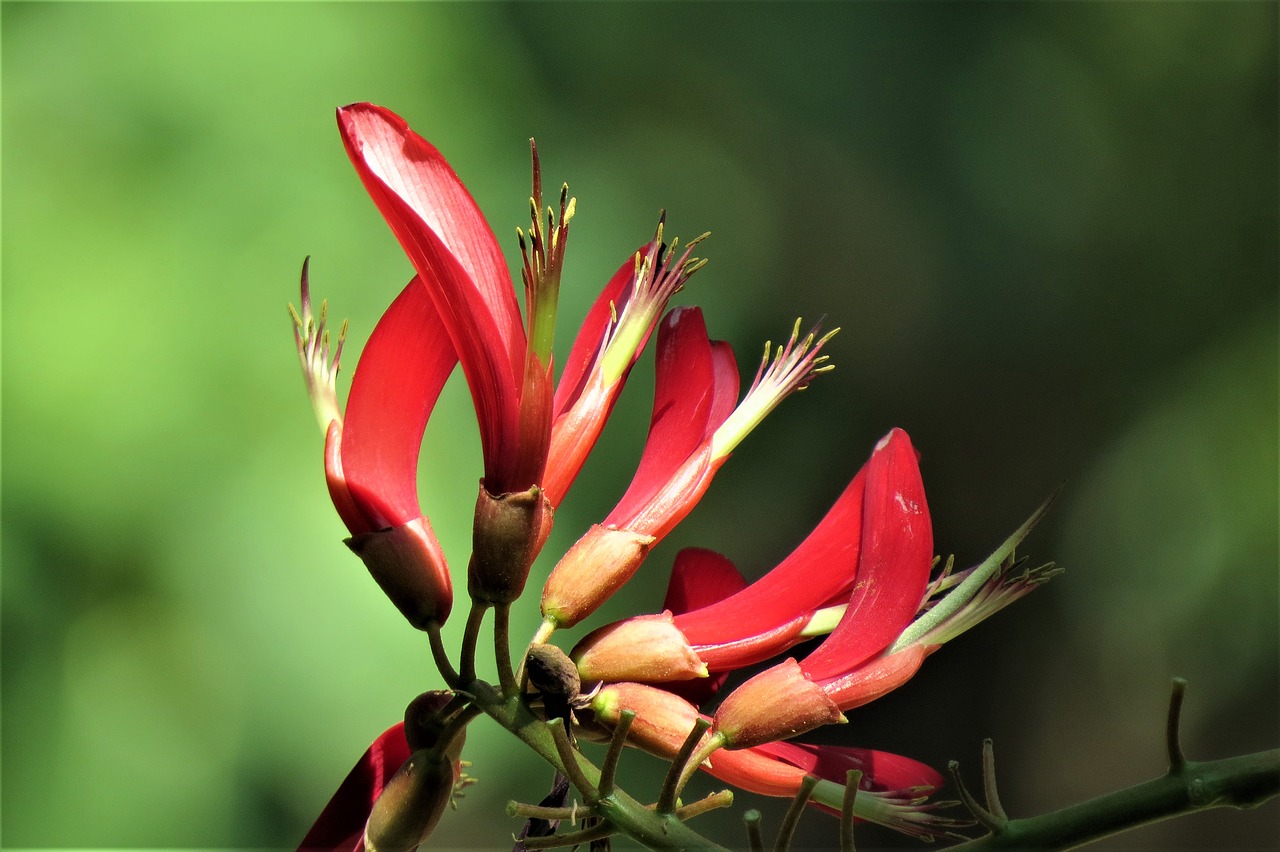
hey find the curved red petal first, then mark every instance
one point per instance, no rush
(454, 251)
(400, 374)
(893, 566)
(821, 568)
(684, 392)
(341, 823)
(726, 381)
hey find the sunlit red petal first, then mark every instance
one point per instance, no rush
(401, 372)
(893, 566)
(454, 251)
(683, 394)
(341, 823)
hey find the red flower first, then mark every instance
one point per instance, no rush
(846, 670)
(371, 454)
(462, 307)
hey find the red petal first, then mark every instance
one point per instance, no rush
(341, 824)
(454, 251)
(683, 393)
(726, 385)
(582, 401)
(820, 569)
(893, 567)
(699, 578)
(400, 374)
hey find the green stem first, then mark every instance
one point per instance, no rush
(628, 816)
(470, 637)
(1235, 782)
(502, 648)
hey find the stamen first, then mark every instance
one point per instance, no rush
(985, 590)
(659, 274)
(783, 369)
(319, 368)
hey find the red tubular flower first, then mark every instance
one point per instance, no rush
(612, 337)
(371, 454)
(460, 265)
(696, 386)
(508, 367)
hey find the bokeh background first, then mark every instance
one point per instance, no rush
(1049, 232)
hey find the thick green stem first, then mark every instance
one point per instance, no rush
(1235, 782)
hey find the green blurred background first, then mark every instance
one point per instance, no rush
(1049, 232)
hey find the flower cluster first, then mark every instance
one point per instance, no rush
(862, 578)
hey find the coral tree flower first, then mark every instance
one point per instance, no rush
(461, 307)
(371, 454)
(754, 624)
(848, 669)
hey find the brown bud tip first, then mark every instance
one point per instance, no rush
(552, 672)
(646, 648)
(506, 537)
(409, 566)
(425, 723)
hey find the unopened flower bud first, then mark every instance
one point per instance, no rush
(408, 564)
(594, 568)
(777, 704)
(425, 723)
(506, 536)
(646, 648)
(663, 719)
(411, 804)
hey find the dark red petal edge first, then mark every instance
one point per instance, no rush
(341, 823)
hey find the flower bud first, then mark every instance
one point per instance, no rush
(594, 568)
(506, 536)
(411, 804)
(408, 564)
(647, 648)
(777, 704)
(425, 724)
(663, 720)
